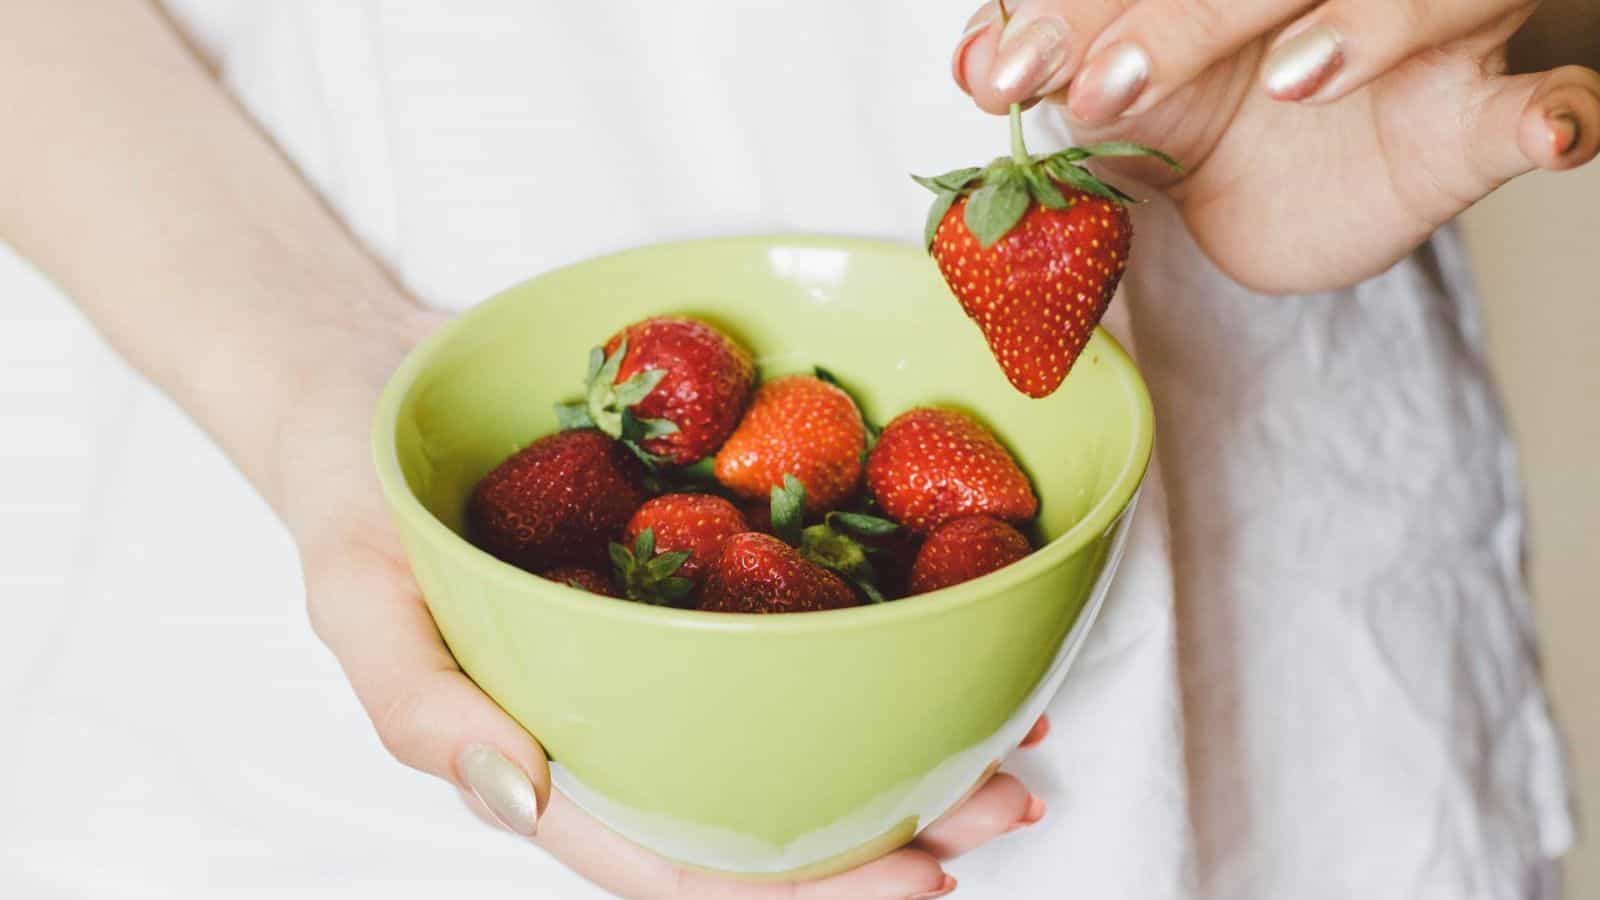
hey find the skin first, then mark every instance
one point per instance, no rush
(1296, 196)
(214, 269)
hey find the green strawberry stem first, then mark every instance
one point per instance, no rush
(1019, 149)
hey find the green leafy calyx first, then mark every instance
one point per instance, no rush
(608, 404)
(1002, 192)
(647, 576)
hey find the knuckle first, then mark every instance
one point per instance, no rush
(398, 719)
(1207, 20)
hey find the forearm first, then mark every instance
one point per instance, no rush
(128, 176)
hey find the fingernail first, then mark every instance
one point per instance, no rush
(1565, 132)
(503, 787)
(958, 62)
(1028, 57)
(1035, 810)
(948, 885)
(1109, 84)
(1301, 65)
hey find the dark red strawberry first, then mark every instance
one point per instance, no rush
(557, 502)
(1033, 247)
(674, 387)
(696, 523)
(799, 425)
(757, 573)
(584, 580)
(964, 549)
(932, 465)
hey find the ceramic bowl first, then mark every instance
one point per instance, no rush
(763, 746)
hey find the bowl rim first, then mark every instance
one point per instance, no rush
(405, 505)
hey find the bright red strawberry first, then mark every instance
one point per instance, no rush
(964, 549)
(672, 386)
(932, 465)
(697, 523)
(1033, 247)
(584, 580)
(757, 573)
(799, 425)
(557, 502)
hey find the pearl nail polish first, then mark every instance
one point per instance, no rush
(1565, 132)
(502, 786)
(1029, 57)
(1109, 84)
(959, 59)
(1301, 65)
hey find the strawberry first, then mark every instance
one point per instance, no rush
(964, 549)
(557, 502)
(1033, 247)
(757, 573)
(698, 524)
(932, 465)
(799, 425)
(584, 580)
(841, 543)
(669, 386)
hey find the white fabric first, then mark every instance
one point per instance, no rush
(1328, 555)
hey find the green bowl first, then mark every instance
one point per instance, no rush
(763, 746)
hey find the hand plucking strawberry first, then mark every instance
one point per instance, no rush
(1033, 247)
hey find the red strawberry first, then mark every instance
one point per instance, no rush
(964, 549)
(697, 523)
(932, 465)
(673, 387)
(1033, 247)
(757, 573)
(801, 426)
(584, 580)
(557, 502)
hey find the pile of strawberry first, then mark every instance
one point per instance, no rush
(676, 480)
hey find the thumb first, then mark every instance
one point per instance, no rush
(1547, 120)
(427, 713)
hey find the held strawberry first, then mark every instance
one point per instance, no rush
(932, 465)
(670, 387)
(557, 502)
(964, 549)
(797, 425)
(1033, 247)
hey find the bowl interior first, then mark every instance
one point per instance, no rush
(875, 314)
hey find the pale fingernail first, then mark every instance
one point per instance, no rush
(1301, 65)
(503, 787)
(1109, 84)
(1564, 130)
(945, 887)
(1029, 57)
(1035, 810)
(958, 62)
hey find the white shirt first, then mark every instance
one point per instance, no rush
(1315, 678)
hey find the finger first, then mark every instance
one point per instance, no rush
(1035, 54)
(1345, 44)
(1002, 805)
(1549, 120)
(1036, 734)
(428, 714)
(1158, 46)
(602, 856)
